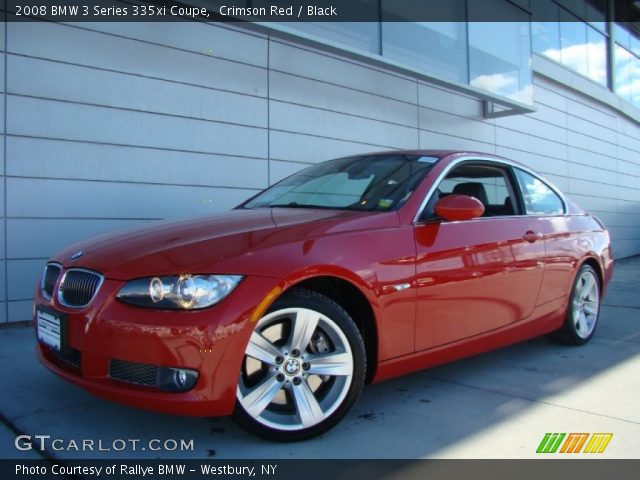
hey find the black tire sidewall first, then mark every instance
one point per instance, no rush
(300, 298)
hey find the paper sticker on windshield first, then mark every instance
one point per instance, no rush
(428, 159)
(385, 202)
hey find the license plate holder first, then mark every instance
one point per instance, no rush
(51, 329)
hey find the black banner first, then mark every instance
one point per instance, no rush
(314, 10)
(574, 469)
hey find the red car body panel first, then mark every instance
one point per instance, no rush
(472, 286)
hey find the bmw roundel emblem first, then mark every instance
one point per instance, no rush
(77, 255)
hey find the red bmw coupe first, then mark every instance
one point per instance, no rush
(354, 270)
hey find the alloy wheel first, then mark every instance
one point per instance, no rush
(297, 369)
(586, 304)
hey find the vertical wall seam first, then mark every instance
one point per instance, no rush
(418, 111)
(4, 166)
(269, 110)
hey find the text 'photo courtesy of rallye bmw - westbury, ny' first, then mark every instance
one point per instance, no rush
(133, 470)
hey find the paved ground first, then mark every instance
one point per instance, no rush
(497, 405)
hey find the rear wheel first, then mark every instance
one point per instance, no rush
(302, 371)
(583, 310)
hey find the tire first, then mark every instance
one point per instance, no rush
(303, 369)
(583, 309)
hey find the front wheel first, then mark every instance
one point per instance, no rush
(303, 369)
(583, 309)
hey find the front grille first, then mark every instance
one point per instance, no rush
(72, 356)
(49, 279)
(132, 372)
(78, 287)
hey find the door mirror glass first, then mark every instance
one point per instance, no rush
(459, 207)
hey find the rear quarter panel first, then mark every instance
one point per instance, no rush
(570, 241)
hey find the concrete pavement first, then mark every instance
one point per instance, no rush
(497, 405)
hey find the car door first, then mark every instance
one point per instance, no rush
(478, 275)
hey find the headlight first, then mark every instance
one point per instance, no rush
(178, 291)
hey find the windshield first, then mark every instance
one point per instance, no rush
(371, 183)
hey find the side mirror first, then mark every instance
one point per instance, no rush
(459, 207)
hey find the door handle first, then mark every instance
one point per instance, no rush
(531, 236)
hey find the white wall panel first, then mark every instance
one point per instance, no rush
(3, 286)
(81, 199)
(198, 37)
(455, 125)
(24, 276)
(41, 118)
(19, 311)
(298, 119)
(42, 238)
(54, 80)
(45, 158)
(313, 93)
(327, 68)
(589, 112)
(1, 161)
(440, 141)
(547, 94)
(529, 143)
(83, 47)
(529, 125)
(438, 98)
(302, 148)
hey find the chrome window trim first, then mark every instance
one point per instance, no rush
(64, 276)
(42, 290)
(500, 161)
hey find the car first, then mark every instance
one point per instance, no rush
(352, 271)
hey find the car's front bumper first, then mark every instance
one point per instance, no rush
(211, 341)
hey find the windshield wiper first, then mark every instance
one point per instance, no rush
(302, 205)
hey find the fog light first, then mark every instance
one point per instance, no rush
(180, 377)
(176, 379)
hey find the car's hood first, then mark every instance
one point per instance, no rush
(170, 247)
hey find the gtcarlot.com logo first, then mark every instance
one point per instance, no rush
(46, 442)
(574, 443)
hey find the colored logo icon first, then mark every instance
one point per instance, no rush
(574, 443)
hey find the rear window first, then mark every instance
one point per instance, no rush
(539, 198)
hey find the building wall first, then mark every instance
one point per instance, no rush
(113, 124)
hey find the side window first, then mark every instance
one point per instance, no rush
(489, 184)
(539, 199)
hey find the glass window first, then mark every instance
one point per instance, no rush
(597, 56)
(623, 77)
(570, 41)
(439, 48)
(573, 43)
(539, 199)
(359, 35)
(597, 14)
(545, 29)
(500, 53)
(490, 185)
(635, 45)
(622, 35)
(635, 81)
(371, 183)
(591, 11)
